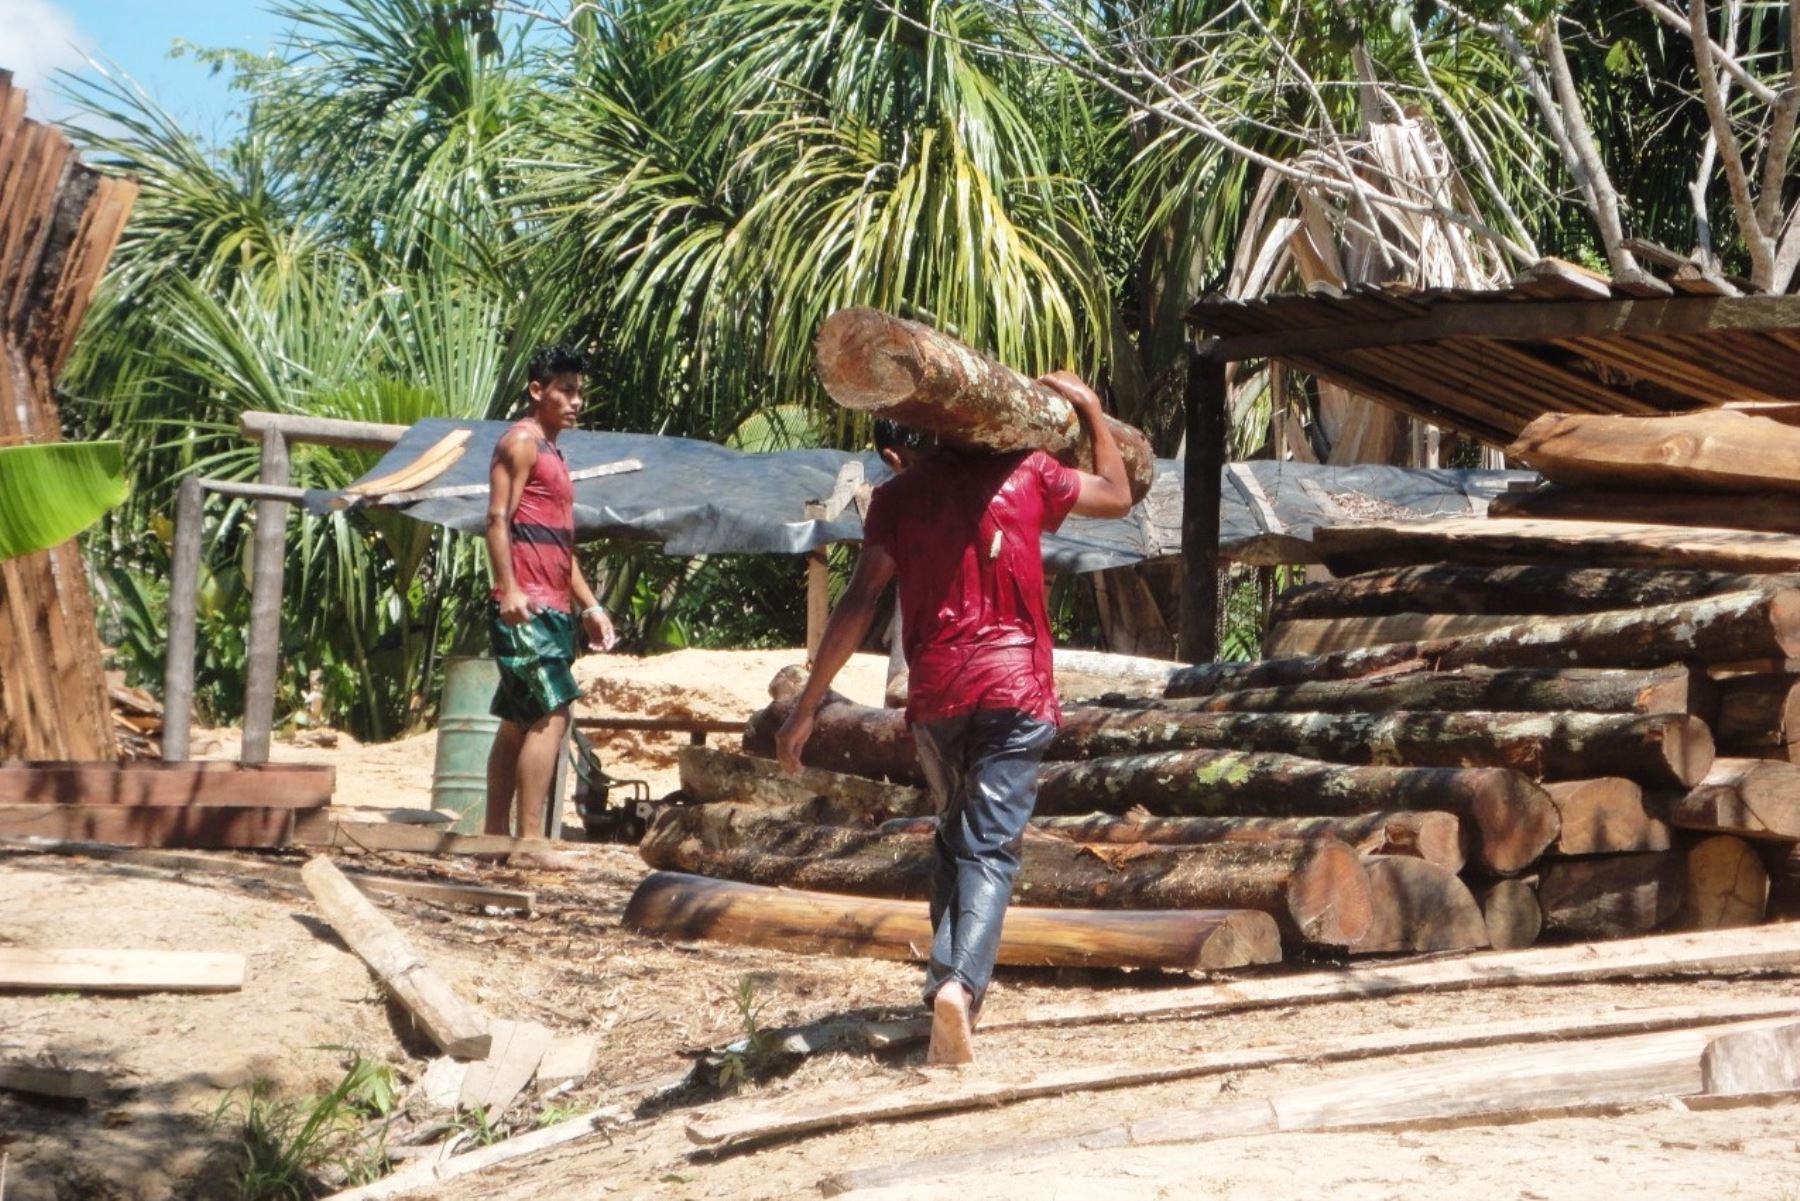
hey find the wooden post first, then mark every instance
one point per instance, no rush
(184, 603)
(818, 582)
(1205, 403)
(264, 640)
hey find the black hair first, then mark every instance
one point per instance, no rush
(552, 361)
(891, 435)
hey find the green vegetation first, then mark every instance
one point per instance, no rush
(283, 1150)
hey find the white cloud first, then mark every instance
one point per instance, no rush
(36, 40)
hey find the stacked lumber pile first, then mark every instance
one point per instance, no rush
(1654, 574)
(147, 803)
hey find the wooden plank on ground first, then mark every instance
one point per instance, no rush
(1496, 541)
(1766, 1060)
(82, 969)
(493, 1083)
(321, 832)
(568, 1059)
(209, 827)
(1608, 1071)
(261, 786)
(456, 1027)
(66, 1084)
(850, 1104)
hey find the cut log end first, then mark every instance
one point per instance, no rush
(863, 359)
(1512, 914)
(1517, 823)
(1727, 885)
(1784, 620)
(1329, 896)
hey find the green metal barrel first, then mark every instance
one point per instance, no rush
(465, 735)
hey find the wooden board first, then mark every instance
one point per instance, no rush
(1495, 541)
(70, 969)
(431, 463)
(322, 831)
(834, 1106)
(1609, 1071)
(210, 827)
(569, 1059)
(66, 1084)
(456, 1027)
(1764, 1060)
(494, 1082)
(677, 905)
(1709, 449)
(263, 786)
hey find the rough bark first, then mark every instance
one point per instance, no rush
(1771, 513)
(1731, 628)
(1752, 798)
(1713, 449)
(1604, 816)
(1727, 885)
(1660, 750)
(1511, 912)
(1321, 636)
(1758, 710)
(1317, 892)
(672, 905)
(1434, 837)
(1418, 906)
(709, 775)
(913, 374)
(1611, 896)
(1454, 588)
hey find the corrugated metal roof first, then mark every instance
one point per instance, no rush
(1560, 340)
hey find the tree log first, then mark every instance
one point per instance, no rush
(1419, 906)
(671, 905)
(1321, 636)
(847, 738)
(1509, 819)
(1759, 710)
(1604, 816)
(1497, 541)
(1658, 749)
(1782, 861)
(1510, 909)
(1769, 512)
(1727, 885)
(1317, 892)
(1752, 798)
(1721, 629)
(1453, 588)
(1710, 449)
(837, 799)
(1611, 896)
(1674, 689)
(927, 380)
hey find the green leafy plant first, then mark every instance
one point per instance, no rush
(52, 491)
(286, 1150)
(751, 1055)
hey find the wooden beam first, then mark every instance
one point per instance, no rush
(211, 827)
(64, 1084)
(1205, 401)
(1612, 1071)
(256, 425)
(1715, 450)
(1525, 321)
(184, 601)
(679, 906)
(322, 831)
(194, 783)
(834, 1106)
(91, 970)
(457, 1028)
(262, 641)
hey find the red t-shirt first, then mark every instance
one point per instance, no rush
(964, 533)
(542, 530)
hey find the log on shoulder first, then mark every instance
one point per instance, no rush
(679, 906)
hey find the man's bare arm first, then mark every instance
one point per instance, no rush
(511, 467)
(1106, 490)
(844, 632)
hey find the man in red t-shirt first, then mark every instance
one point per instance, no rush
(962, 532)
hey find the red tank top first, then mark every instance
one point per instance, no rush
(542, 528)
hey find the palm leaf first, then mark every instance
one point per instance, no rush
(50, 493)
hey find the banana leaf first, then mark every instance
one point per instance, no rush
(51, 492)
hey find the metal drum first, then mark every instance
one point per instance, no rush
(465, 735)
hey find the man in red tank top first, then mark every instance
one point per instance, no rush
(538, 585)
(962, 533)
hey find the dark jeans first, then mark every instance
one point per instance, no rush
(982, 772)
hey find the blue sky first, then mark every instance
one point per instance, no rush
(39, 36)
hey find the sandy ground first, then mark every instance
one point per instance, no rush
(308, 1005)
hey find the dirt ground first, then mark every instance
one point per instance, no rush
(308, 1006)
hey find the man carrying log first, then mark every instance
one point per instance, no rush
(537, 584)
(961, 530)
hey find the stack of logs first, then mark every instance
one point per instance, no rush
(1479, 741)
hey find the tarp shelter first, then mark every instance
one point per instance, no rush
(698, 498)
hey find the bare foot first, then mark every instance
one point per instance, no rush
(951, 1036)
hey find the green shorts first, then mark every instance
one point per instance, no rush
(536, 661)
